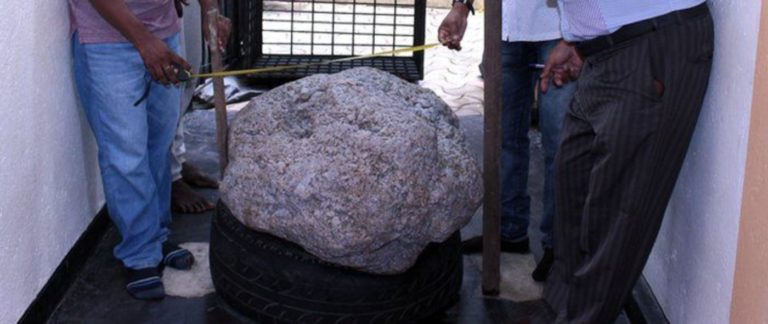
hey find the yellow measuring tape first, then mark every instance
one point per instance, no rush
(295, 66)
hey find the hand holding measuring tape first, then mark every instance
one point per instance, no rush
(183, 75)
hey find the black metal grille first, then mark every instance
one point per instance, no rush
(277, 32)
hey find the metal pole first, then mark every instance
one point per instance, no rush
(218, 91)
(492, 148)
(419, 26)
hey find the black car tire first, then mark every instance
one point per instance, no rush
(272, 280)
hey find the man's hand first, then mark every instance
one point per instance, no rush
(563, 65)
(161, 62)
(223, 25)
(452, 29)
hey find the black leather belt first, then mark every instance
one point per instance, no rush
(639, 28)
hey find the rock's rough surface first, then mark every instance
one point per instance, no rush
(360, 168)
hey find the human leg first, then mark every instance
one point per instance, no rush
(162, 119)
(572, 165)
(109, 78)
(553, 106)
(184, 199)
(644, 100)
(517, 98)
(190, 46)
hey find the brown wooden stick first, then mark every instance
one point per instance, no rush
(492, 149)
(219, 100)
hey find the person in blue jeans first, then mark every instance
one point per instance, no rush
(125, 64)
(530, 31)
(185, 175)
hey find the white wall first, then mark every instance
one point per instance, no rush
(50, 188)
(691, 269)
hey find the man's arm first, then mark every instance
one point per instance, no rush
(158, 58)
(223, 24)
(452, 29)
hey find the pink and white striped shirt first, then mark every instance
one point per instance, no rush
(159, 16)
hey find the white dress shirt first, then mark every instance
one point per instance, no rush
(587, 19)
(530, 20)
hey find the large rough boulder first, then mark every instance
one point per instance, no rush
(360, 168)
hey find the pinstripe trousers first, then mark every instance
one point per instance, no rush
(623, 143)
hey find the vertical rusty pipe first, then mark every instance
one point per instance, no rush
(492, 149)
(218, 91)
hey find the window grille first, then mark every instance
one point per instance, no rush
(280, 32)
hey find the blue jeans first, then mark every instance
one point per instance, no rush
(519, 81)
(134, 143)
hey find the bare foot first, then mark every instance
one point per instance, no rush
(194, 177)
(185, 200)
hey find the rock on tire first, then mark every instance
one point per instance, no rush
(275, 281)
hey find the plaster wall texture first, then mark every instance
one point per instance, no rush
(51, 187)
(691, 269)
(750, 292)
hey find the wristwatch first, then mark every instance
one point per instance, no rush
(467, 3)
